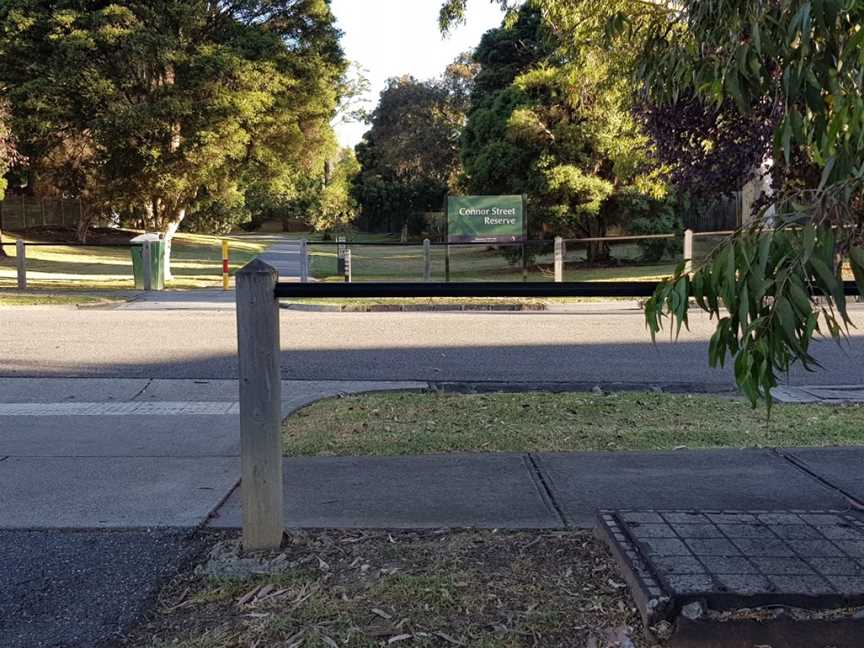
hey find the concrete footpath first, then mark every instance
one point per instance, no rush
(85, 453)
(104, 483)
(527, 491)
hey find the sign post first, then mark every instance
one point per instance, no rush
(341, 247)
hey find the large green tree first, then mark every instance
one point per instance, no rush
(806, 58)
(172, 99)
(556, 126)
(410, 155)
(8, 155)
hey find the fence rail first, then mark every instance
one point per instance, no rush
(371, 290)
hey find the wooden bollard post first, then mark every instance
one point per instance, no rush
(427, 260)
(688, 251)
(341, 248)
(147, 264)
(260, 406)
(304, 262)
(226, 266)
(559, 259)
(21, 263)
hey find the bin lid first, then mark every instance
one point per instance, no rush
(144, 238)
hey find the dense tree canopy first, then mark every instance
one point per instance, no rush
(727, 69)
(169, 104)
(8, 155)
(557, 127)
(8, 152)
(410, 155)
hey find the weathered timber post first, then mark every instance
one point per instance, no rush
(21, 264)
(304, 262)
(559, 259)
(260, 406)
(427, 260)
(688, 251)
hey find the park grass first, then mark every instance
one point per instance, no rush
(477, 263)
(482, 589)
(430, 423)
(373, 263)
(196, 263)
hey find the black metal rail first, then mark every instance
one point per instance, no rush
(468, 289)
(373, 290)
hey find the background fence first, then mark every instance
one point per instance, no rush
(23, 212)
(625, 258)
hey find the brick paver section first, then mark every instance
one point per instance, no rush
(734, 559)
(130, 408)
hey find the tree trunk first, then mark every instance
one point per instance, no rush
(3, 254)
(169, 231)
(598, 252)
(84, 221)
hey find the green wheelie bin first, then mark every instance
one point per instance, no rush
(157, 261)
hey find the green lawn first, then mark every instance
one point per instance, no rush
(426, 423)
(196, 263)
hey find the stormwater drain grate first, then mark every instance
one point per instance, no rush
(719, 562)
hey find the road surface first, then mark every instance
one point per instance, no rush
(592, 346)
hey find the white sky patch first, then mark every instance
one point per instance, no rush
(390, 38)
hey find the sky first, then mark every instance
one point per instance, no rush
(390, 38)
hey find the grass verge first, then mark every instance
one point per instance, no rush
(481, 589)
(48, 299)
(428, 423)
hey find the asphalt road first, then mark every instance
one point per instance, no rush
(82, 588)
(594, 346)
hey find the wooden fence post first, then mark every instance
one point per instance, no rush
(260, 406)
(559, 259)
(21, 264)
(688, 251)
(349, 271)
(427, 260)
(147, 265)
(304, 262)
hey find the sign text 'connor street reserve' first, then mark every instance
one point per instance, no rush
(485, 219)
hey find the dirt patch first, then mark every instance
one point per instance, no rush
(352, 588)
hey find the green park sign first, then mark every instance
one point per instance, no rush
(486, 219)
